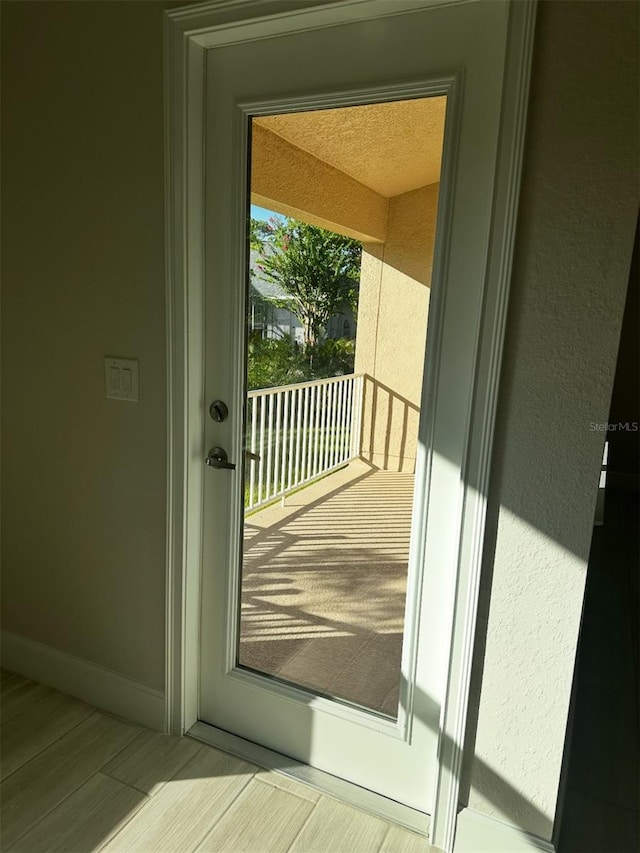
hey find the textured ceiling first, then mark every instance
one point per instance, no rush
(391, 148)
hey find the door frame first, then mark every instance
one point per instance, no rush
(189, 32)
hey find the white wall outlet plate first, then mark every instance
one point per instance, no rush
(121, 377)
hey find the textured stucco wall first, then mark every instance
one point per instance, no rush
(288, 180)
(392, 329)
(574, 243)
(377, 144)
(83, 477)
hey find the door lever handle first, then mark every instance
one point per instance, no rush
(217, 458)
(253, 457)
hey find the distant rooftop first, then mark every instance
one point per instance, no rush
(263, 286)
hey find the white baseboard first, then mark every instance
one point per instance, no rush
(96, 685)
(480, 833)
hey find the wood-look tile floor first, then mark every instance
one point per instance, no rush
(75, 779)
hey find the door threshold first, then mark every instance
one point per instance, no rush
(325, 783)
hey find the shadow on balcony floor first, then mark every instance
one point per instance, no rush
(324, 583)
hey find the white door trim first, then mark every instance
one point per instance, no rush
(498, 279)
(188, 33)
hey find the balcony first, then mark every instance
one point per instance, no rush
(325, 565)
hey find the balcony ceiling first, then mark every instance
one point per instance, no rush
(391, 148)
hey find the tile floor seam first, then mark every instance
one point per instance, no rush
(113, 757)
(109, 838)
(46, 814)
(384, 838)
(53, 808)
(285, 790)
(94, 713)
(146, 794)
(65, 798)
(45, 748)
(212, 826)
(149, 794)
(304, 823)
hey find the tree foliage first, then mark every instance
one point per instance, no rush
(318, 269)
(272, 363)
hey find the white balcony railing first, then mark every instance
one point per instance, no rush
(298, 433)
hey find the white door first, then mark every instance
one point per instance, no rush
(456, 51)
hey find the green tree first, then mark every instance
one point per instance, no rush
(258, 231)
(319, 270)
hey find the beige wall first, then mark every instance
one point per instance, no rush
(83, 478)
(392, 329)
(575, 235)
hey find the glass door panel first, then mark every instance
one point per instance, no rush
(341, 231)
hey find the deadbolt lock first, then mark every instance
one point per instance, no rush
(219, 411)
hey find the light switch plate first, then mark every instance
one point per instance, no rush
(121, 378)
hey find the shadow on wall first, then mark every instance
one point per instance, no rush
(389, 434)
(334, 624)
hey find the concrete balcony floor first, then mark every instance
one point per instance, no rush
(324, 586)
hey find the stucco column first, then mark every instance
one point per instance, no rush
(392, 329)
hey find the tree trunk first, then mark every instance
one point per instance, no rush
(310, 338)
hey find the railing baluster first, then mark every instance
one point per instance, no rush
(278, 442)
(306, 437)
(347, 421)
(335, 396)
(261, 463)
(313, 413)
(325, 425)
(357, 411)
(252, 449)
(339, 425)
(329, 417)
(319, 430)
(347, 447)
(326, 416)
(299, 397)
(344, 407)
(269, 448)
(286, 430)
(332, 423)
(328, 430)
(292, 437)
(337, 441)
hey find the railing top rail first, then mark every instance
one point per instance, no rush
(263, 392)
